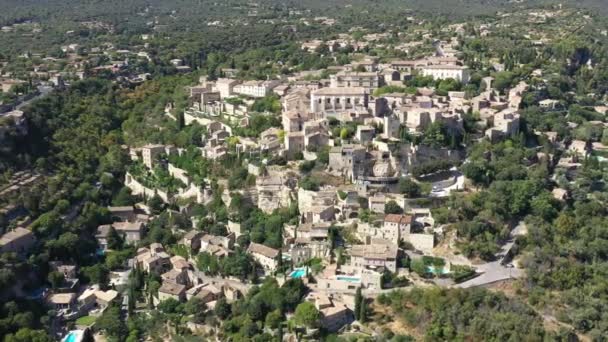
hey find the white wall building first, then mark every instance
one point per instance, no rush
(256, 88)
(442, 72)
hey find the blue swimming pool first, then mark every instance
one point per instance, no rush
(349, 279)
(71, 337)
(298, 273)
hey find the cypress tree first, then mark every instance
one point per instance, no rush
(358, 303)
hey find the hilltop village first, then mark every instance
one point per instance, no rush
(293, 204)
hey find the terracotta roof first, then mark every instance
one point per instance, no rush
(394, 218)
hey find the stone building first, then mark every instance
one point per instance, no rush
(444, 71)
(19, 241)
(335, 100)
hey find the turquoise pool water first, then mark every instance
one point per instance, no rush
(349, 279)
(432, 269)
(71, 337)
(298, 273)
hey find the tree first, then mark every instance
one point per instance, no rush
(222, 309)
(344, 133)
(28, 335)
(307, 315)
(273, 319)
(56, 279)
(418, 266)
(358, 300)
(115, 241)
(292, 291)
(96, 274)
(391, 207)
(124, 197)
(503, 80)
(156, 204)
(112, 323)
(169, 306)
(408, 187)
(363, 311)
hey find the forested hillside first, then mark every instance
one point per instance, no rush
(119, 10)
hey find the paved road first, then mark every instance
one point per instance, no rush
(495, 271)
(44, 90)
(491, 272)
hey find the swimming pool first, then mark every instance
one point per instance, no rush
(434, 270)
(349, 279)
(71, 337)
(74, 336)
(298, 273)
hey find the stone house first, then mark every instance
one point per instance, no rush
(171, 290)
(150, 152)
(347, 160)
(19, 241)
(396, 227)
(334, 314)
(374, 256)
(266, 256)
(365, 133)
(192, 240)
(176, 276)
(94, 299)
(273, 192)
(63, 303)
(131, 232)
(319, 214)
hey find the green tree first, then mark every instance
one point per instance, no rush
(273, 319)
(112, 323)
(409, 188)
(124, 197)
(28, 335)
(222, 309)
(56, 279)
(115, 241)
(391, 207)
(156, 204)
(307, 315)
(363, 311)
(96, 274)
(358, 300)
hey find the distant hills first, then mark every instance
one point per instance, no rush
(19, 9)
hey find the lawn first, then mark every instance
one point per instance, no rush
(86, 321)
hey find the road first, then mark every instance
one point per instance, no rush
(495, 271)
(458, 184)
(43, 90)
(491, 272)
